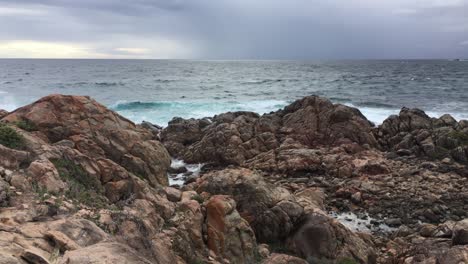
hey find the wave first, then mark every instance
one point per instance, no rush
(375, 105)
(265, 81)
(161, 112)
(7, 102)
(108, 83)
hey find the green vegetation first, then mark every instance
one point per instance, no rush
(460, 136)
(10, 138)
(198, 198)
(26, 125)
(82, 188)
(41, 191)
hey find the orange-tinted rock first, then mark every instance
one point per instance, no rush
(98, 132)
(229, 235)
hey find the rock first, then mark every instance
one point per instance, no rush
(74, 233)
(187, 239)
(3, 113)
(263, 250)
(235, 138)
(393, 222)
(282, 259)
(62, 241)
(105, 253)
(321, 238)
(11, 158)
(97, 131)
(177, 170)
(173, 194)
(229, 235)
(34, 256)
(44, 173)
(271, 211)
(413, 130)
(4, 193)
(356, 197)
(460, 233)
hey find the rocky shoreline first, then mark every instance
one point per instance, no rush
(81, 184)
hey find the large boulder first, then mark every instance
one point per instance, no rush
(228, 234)
(96, 131)
(415, 132)
(460, 233)
(105, 253)
(320, 238)
(271, 211)
(236, 138)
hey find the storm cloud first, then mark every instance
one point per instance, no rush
(234, 29)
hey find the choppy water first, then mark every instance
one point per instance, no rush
(157, 90)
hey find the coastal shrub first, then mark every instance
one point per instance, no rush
(82, 187)
(460, 136)
(10, 138)
(198, 198)
(26, 125)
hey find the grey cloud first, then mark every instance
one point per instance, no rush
(245, 29)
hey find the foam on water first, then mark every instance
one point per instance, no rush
(364, 224)
(162, 112)
(7, 101)
(179, 178)
(378, 115)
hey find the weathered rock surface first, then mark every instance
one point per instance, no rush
(228, 234)
(236, 138)
(282, 258)
(415, 132)
(89, 186)
(95, 130)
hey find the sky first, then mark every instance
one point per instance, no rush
(234, 29)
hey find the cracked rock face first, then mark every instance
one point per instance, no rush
(95, 130)
(89, 186)
(414, 132)
(239, 137)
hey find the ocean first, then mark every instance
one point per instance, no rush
(158, 90)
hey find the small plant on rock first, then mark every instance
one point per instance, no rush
(198, 198)
(26, 125)
(83, 188)
(10, 138)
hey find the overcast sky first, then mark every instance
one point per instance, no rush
(234, 29)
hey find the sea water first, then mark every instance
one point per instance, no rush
(158, 90)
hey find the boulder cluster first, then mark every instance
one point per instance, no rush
(81, 184)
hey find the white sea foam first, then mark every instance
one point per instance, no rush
(162, 112)
(7, 101)
(364, 224)
(179, 179)
(378, 115)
